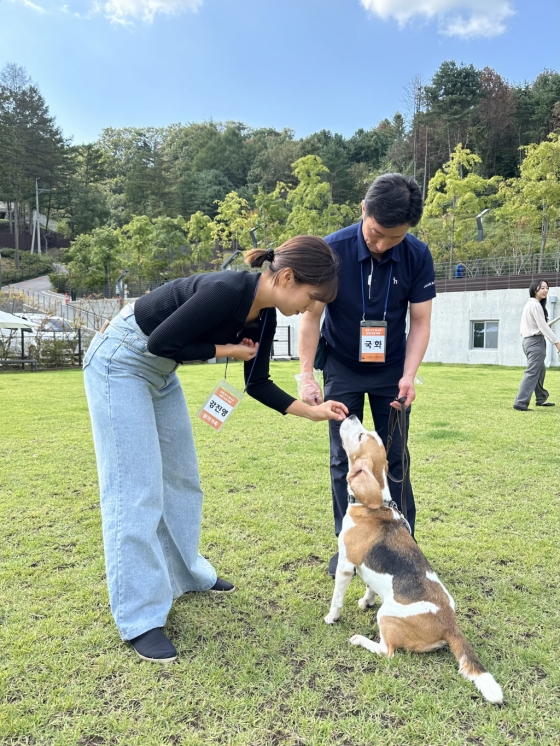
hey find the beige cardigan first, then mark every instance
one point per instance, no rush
(533, 321)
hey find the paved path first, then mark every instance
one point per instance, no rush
(37, 285)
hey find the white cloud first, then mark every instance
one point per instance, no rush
(468, 19)
(126, 11)
(32, 6)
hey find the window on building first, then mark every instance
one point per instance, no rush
(484, 335)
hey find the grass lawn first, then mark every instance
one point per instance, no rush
(260, 667)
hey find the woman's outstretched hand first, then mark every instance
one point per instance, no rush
(328, 410)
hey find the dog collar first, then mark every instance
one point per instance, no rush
(393, 506)
(352, 500)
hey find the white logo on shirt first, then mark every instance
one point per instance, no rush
(395, 281)
(427, 285)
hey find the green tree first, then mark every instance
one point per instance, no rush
(31, 145)
(456, 194)
(94, 259)
(334, 153)
(494, 132)
(169, 244)
(312, 211)
(138, 241)
(534, 108)
(229, 151)
(274, 163)
(272, 211)
(200, 191)
(232, 222)
(370, 147)
(201, 237)
(82, 201)
(534, 198)
(138, 174)
(452, 97)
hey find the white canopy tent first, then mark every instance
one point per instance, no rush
(9, 321)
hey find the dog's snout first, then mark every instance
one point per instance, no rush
(349, 422)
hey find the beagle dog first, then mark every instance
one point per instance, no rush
(417, 612)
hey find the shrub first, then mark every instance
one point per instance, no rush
(58, 281)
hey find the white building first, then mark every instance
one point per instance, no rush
(482, 326)
(469, 326)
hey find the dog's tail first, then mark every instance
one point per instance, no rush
(472, 668)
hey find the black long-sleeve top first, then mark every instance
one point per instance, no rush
(185, 319)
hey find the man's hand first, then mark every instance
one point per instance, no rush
(406, 388)
(308, 389)
(416, 344)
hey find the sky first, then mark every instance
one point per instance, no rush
(303, 64)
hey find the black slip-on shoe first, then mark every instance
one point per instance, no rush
(547, 404)
(154, 646)
(522, 409)
(333, 564)
(222, 586)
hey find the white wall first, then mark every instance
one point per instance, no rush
(293, 323)
(450, 340)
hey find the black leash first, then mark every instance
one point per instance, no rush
(397, 417)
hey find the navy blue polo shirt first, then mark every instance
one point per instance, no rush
(404, 275)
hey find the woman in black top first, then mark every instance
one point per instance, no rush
(151, 501)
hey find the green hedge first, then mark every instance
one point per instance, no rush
(31, 265)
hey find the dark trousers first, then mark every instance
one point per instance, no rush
(350, 387)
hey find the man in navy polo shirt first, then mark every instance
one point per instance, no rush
(384, 271)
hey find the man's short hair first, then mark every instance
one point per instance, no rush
(394, 199)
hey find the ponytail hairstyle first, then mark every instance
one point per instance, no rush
(533, 288)
(311, 259)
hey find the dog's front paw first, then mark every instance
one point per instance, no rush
(331, 618)
(357, 640)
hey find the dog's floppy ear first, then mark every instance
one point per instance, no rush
(364, 485)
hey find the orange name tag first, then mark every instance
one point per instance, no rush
(220, 404)
(373, 341)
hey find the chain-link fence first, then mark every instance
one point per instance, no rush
(526, 264)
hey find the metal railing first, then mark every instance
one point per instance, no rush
(75, 312)
(282, 344)
(42, 350)
(523, 264)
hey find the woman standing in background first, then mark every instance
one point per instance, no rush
(535, 331)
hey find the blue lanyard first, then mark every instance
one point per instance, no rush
(258, 351)
(363, 296)
(256, 356)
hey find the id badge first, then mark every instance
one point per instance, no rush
(220, 405)
(373, 341)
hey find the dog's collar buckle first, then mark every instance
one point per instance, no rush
(393, 506)
(352, 500)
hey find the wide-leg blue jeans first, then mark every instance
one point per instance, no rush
(151, 500)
